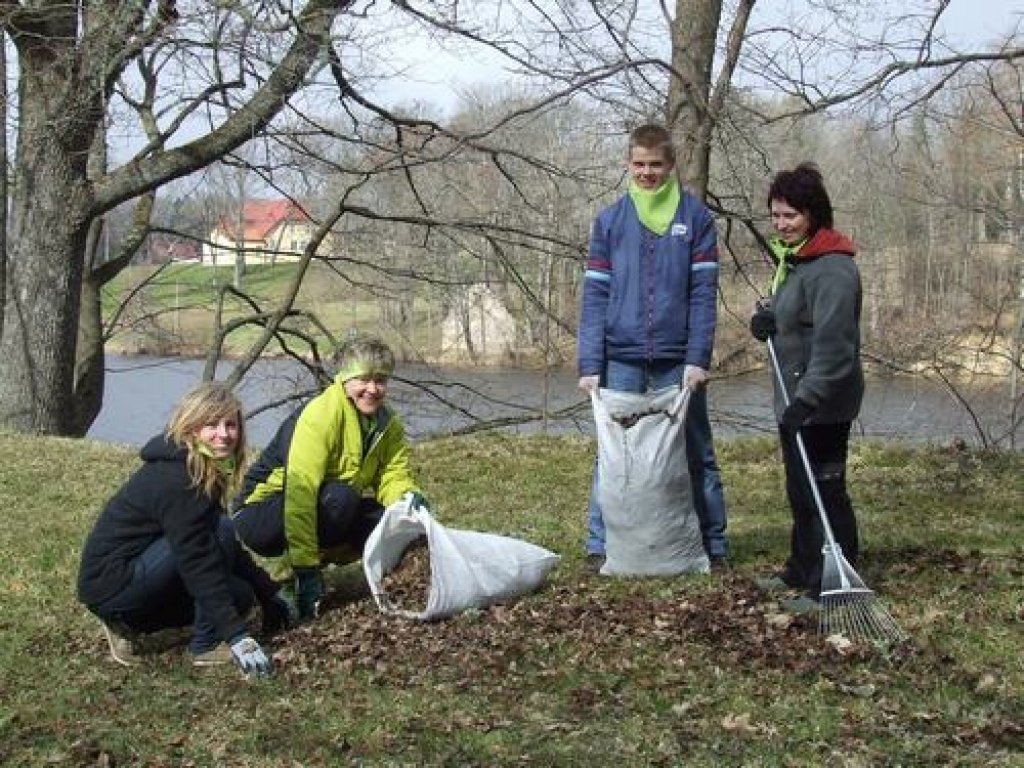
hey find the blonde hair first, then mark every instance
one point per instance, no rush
(207, 404)
(361, 356)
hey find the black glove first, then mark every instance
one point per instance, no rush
(796, 413)
(279, 612)
(309, 591)
(762, 324)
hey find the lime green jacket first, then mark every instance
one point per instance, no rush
(324, 441)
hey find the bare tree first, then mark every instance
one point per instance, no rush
(70, 59)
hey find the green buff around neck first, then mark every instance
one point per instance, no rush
(656, 208)
(784, 254)
(225, 466)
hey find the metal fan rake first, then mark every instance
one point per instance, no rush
(848, 606)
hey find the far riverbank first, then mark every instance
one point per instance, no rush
(440, 400)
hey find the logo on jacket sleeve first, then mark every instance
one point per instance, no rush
(679, 230)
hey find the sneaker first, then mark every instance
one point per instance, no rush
(805, 605)
(594, 562)
(219, 654)
(720, 564)
(120, 644)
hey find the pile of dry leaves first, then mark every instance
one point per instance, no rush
(582, 621)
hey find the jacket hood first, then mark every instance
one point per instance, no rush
(160, 448)
(826, 241)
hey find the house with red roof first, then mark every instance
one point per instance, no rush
(266, 231)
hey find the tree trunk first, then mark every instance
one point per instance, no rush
(50, 219)
(694, 33)
(89, 370)
(3, 185)
(62, 75)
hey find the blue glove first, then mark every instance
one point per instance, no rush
(250, 658)
(796, 413)
(279, 612)
(762, 323)
(309, 591)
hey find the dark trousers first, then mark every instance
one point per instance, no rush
(343, 516)
(827, 448)
(155, 597)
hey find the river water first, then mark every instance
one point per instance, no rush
(141, 393)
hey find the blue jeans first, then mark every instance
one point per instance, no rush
(156, 598)
(705, 476)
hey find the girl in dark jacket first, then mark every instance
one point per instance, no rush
(164, 554)
(814, 322)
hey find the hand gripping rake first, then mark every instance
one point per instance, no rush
(848, 606)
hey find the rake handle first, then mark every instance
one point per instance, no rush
(829, 537)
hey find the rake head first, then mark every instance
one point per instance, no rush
(848, 606)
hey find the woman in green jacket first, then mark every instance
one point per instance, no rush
(322, 484)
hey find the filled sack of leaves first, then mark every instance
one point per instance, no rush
(464, 569)
(643, 485)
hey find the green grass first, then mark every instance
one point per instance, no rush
(170, 309)
(692, 671)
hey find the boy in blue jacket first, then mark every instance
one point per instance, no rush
(649, 310)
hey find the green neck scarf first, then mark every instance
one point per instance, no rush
(656, 208)
(784, 254)
(225, 466)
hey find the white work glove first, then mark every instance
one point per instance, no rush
(589, 384)
(250, 658)
(694, 377)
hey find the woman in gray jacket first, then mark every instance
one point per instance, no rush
(814, 320)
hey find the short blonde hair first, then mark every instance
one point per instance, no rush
(363, 356)
(207, 404)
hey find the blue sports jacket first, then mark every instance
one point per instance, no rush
(648, 297)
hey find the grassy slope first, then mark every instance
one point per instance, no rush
(689, 671)
(173, 312)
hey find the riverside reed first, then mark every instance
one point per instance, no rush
(693, 671)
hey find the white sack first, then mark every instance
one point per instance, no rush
(468, 569)
(643, 485)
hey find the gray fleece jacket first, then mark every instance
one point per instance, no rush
(817, 339)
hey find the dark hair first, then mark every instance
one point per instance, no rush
(653, 136)
(804, 189)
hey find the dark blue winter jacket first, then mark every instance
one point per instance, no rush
(648, 297)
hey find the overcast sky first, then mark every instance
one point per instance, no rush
(435, 77)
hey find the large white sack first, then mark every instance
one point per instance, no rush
(643, 485)
(468, 569)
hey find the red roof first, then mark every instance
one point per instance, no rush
(261, 217)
